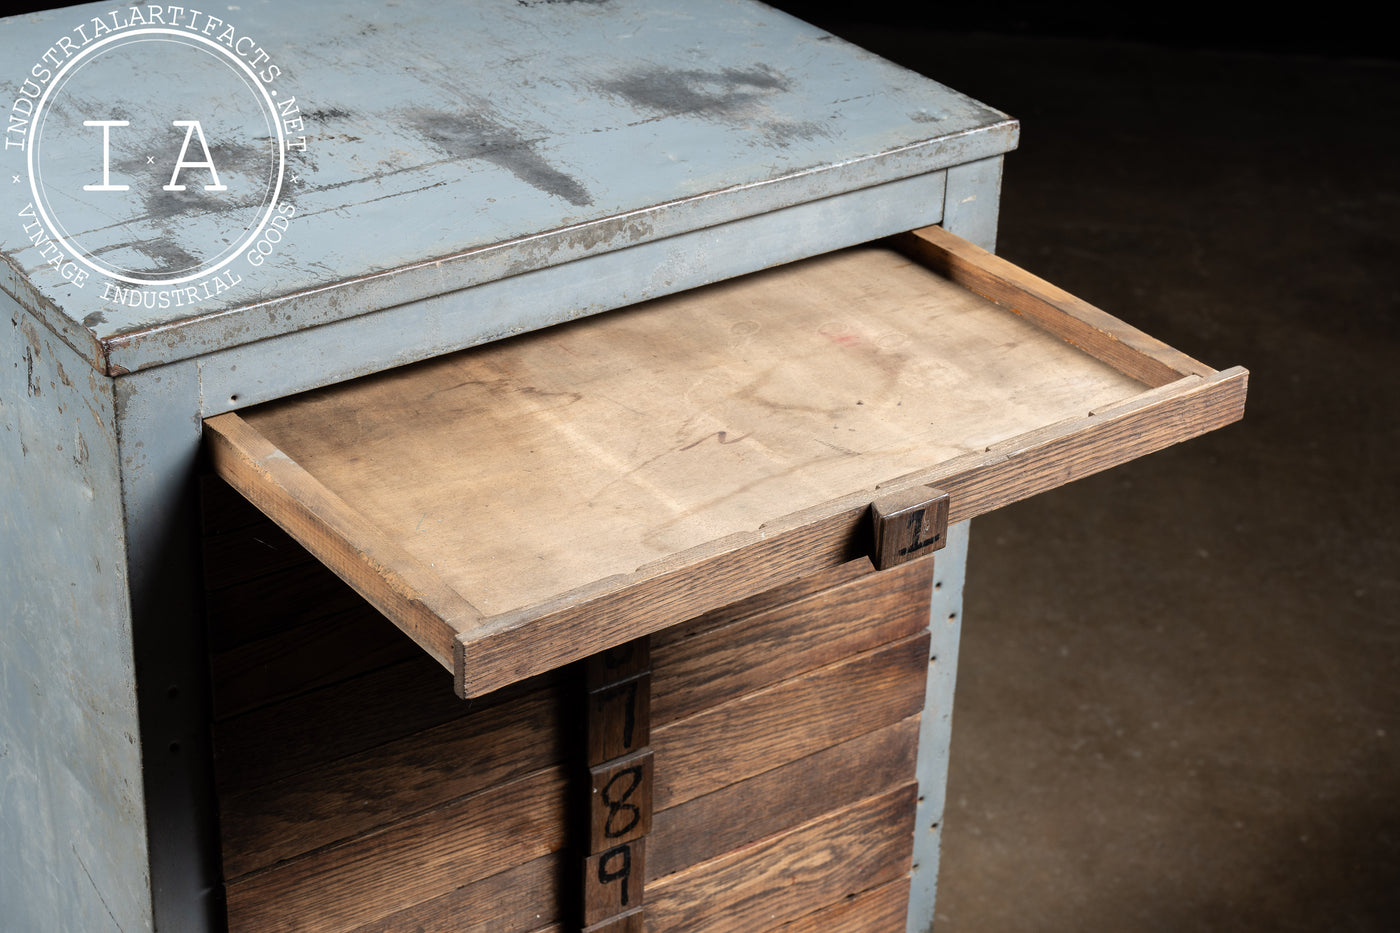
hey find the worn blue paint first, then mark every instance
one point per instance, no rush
(936, 725)
(159, 430)
(463, 143)
(970, 209)
(71, 799)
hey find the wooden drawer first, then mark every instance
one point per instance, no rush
(783, 786)
(522, 505)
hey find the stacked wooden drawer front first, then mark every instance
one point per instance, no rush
(357, 793)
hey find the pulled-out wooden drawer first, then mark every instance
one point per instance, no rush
(525, 504)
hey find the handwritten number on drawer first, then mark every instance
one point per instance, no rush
(628, 691)
(916, 530)
(616, 802)
(616, 865)
(620, 769)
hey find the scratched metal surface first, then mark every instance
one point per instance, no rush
(449, 145)
(71, 807)
(936, 726)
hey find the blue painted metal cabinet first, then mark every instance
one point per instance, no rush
(201, 214)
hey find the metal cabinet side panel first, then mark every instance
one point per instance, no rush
(935, 729)
(971, 202)
(71, 798)
(158, 418)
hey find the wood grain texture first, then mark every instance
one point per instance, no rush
(599, 615)
(620, 807)
(626, 660)
(249, 553)
(523, 899)
(345, 797)
(358, 551)
(272, 603)
(880, 910)
(619, 718)
(662, 461)
(1121, 345)
(618, 441)
(727, 660)
(280, 838)
(518, 644)
(777, 800)
(760, 731)
(425, 857)
(273, 742)
(634, 921)
(909, 525)
(783, 877)
(1045, 459)
(778, 595)
(614, 881)
(305, 656)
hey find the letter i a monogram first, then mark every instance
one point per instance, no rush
(192, 128)
(106, 155)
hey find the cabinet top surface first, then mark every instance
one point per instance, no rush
(444, 146)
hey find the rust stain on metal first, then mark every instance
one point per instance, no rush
(32, 383)
(34, 345)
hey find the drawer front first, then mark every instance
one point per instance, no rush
(784, 730)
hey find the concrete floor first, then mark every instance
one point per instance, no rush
(1178, 703)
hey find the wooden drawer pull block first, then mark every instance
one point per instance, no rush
(908, 525)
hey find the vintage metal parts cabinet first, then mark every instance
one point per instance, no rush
(644, 542)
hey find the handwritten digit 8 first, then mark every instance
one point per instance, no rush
(617, 805)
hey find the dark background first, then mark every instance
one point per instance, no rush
(1178, 704)
(1326, 29)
